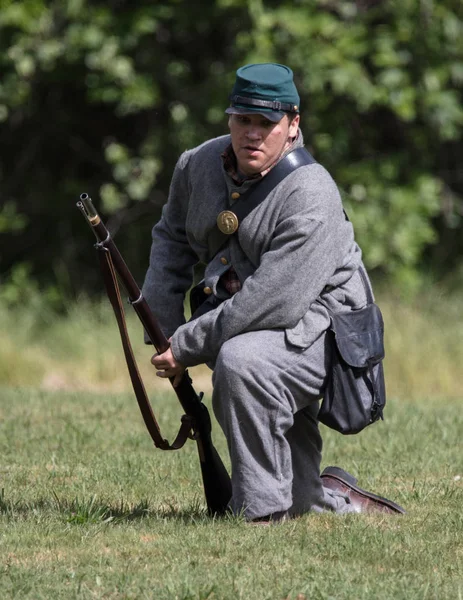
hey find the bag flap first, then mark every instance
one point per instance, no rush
(359, 335)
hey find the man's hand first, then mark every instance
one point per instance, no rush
(168, 366)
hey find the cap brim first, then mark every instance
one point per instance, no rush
(271, 115)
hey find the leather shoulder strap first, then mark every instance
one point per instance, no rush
(258, 192)
(295, 159)
(363, 273)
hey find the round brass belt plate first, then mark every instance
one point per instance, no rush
(227, 222)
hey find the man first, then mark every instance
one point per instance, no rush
(269, 285)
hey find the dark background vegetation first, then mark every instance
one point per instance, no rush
(102, 97)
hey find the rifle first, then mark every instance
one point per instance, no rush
(196, 423)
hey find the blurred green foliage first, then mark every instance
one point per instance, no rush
(102, 97)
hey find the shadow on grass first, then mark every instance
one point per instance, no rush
(93, 510)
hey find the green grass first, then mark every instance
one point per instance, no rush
(82, 350)
(89, 509)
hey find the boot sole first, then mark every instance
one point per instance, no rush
(351, 482)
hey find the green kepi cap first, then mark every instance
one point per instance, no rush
(267, 89)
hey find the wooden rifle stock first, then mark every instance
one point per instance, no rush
(216, 481)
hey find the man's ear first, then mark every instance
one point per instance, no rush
(294, 126)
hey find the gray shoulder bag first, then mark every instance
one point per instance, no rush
(355, 395)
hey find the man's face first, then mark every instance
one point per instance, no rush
(258, 142)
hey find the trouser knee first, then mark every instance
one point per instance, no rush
(228, 378)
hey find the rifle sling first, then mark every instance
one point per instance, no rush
(299, 157)
(114, 295)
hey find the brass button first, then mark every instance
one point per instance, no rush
(207, 290)
(224, 261)
(235, 195)
(227, 222)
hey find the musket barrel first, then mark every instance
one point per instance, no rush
(85, 204)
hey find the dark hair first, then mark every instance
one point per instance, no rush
(291, 116)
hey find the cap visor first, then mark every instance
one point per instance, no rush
(271, 115)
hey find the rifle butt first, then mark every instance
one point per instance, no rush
(216, 481)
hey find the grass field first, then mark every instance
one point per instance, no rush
(81, 350)
(89, 509)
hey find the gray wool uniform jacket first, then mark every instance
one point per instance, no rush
(295, 254)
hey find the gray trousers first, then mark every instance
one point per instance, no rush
(265, 398)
